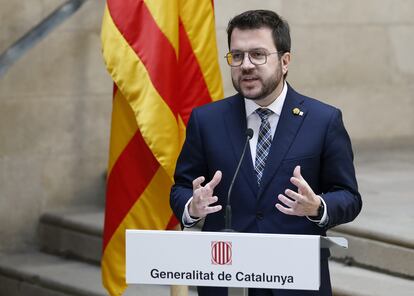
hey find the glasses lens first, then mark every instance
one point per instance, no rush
(229, 58)
(257, 57)
(235, 59)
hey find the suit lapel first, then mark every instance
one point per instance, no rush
(236, 125)
(286, 131)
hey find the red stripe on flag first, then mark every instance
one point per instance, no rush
(193, 88)
(172, 223)
(114, 90)
(139, 28)
(128, 179)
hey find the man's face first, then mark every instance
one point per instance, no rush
(262, 83)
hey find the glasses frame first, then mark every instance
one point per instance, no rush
(250, 58)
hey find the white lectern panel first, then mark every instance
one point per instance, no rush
(223, 259)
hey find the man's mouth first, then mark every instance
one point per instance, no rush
(249, 78)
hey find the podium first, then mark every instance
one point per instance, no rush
(226, 259)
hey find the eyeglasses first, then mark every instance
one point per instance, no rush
(256, 56)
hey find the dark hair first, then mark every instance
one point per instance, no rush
(256, 19)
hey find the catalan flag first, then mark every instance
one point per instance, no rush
(162, 56)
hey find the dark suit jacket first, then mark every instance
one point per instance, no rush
(316, 140)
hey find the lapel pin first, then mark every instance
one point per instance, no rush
(296, 111)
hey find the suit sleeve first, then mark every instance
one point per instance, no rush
(339, 185)
(190, 165)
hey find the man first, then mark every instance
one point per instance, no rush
(297, 176)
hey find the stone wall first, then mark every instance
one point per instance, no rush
(55, 107)
(55, 102)
(356, 55)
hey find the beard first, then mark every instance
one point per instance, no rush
(268, 85)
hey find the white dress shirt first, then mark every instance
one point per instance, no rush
(253, 122)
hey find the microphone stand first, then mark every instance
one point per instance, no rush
(227, 216)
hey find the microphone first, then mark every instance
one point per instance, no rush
(227, 216)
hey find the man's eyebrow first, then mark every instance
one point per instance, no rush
(250, 49)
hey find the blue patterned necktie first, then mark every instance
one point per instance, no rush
(263, 142)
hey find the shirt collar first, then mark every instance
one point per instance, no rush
(276, 106)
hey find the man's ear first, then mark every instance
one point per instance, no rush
(285, 60)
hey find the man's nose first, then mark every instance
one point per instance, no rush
(246, 63)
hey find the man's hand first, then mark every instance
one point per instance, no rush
(302, 203)
(203, 197)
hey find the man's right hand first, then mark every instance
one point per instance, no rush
(199, 206)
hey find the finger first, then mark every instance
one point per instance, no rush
(287, 201)
(216, 179)
(296, 173)
(294, 195)
(285, 210)
(206, 201)
(197, 182)
(209, 210)
(302, 185)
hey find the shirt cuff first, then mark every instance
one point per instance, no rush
(324, 220)
(187, 220)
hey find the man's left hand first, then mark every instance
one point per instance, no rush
(302, 203)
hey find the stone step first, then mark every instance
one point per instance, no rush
(355, 281)
(375, 252)
(39, 274)
(73, 233)
(78, 234)
(382, 236)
